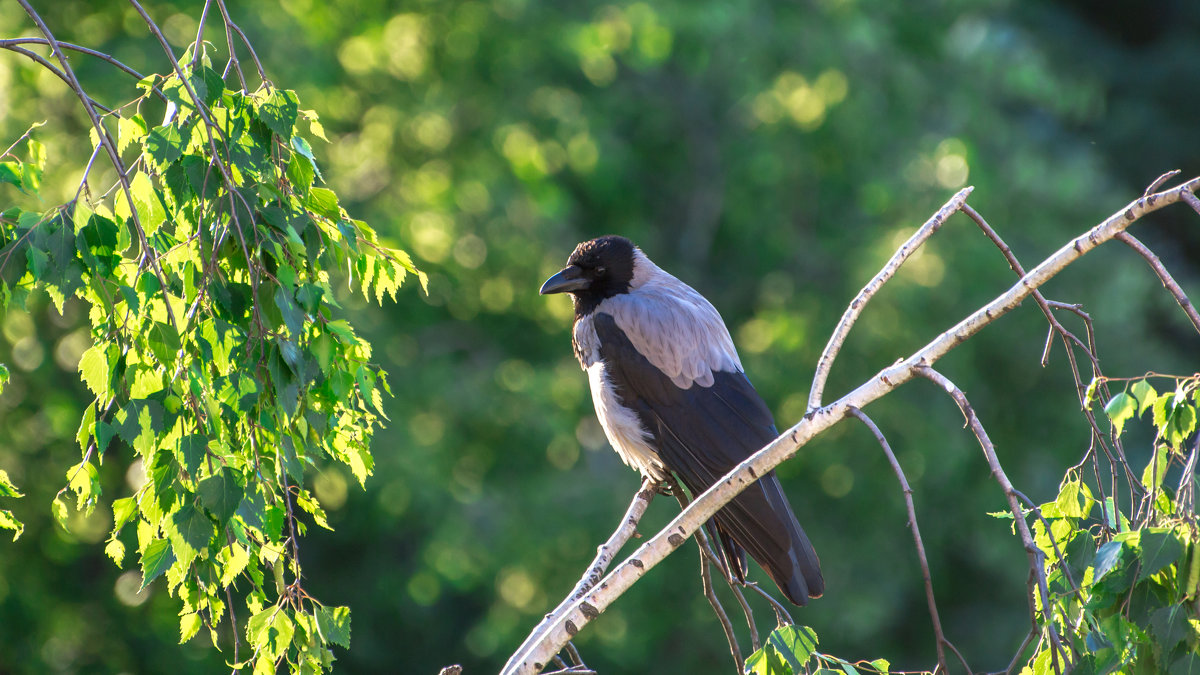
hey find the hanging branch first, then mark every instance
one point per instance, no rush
(1037, 576)
(927, 578)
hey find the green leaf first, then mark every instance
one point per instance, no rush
(195, 530)
(59, 508)
(233, 558)
(293, 316)
(189, 625)
(1160, 548)
(7, 488)
(279, 112)
(147, 203)
(1145, 394)
(84, 481)
(164, 145)
(123, 510)
(1074, 500)
(96, 371)
(9, 522)
(794, 643)
(1107, 558)
(11, 173)
(323, 202)
(1181, 424)
(130, 130)
(881, 665)
(193, 447)
(334, 624)
(155, 560)
(300, 172)
(116, 550)
(271, 631)
(221, 494)
(1119, 409)
(38, 261)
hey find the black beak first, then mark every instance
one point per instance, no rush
(569, 279)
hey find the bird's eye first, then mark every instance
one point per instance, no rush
(600, 269)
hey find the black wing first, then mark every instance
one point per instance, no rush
(703, 432)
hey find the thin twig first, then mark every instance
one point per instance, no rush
(1192, 201)
(108, 58)
(1158, 182)
(1164, 276)
(708, 558)
(604, 557)
(1036, 568)
(939, 634)
(262, 74)
(41, 61)
(856, 307)
(782, 616)
(722, 616)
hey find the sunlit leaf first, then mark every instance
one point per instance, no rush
(1145, 394)
(1119, 409)
(9, 522)
(334, 623)
(221, 494)
(156, 558)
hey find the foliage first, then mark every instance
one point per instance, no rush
(1125, 582)
(219, 367)
(789, 649)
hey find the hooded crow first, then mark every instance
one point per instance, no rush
(670, 392)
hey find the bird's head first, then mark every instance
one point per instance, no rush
(597, 269)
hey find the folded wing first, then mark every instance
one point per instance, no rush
(701, 432)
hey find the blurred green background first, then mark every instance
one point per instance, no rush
(770, 154)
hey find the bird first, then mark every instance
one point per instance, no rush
(673, 399)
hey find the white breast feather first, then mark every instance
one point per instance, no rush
(621, 425)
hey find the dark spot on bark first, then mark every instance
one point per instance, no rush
(589, 610)
(572, 629)
(675, 540)
(637, 563)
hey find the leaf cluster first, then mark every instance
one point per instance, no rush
(217, 362)
(1125, 585)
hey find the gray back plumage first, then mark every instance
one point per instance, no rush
(673, 326)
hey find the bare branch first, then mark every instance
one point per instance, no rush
(939, 634)
(604, 558)
(1158, 182)
(41, 61)
(1036, 557)
(1190, 197)
(838, 337)
(1164, 276)
(726, 625)
(108, 58)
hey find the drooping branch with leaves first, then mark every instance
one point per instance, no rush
(1114, 558)
(219, 362)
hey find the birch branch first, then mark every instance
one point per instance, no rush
(838, 338)
(536, 653)
(604, 557)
